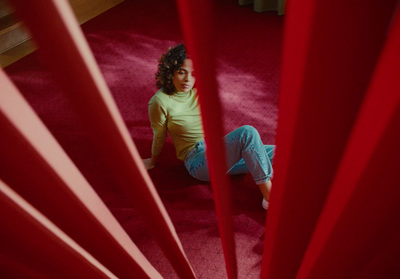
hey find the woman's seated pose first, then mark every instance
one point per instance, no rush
(175, 109)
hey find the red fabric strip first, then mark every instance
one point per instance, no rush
(35, 166)
(330, 52)
(363, 203)
(45, 248)
(67, 53)
(197, 21)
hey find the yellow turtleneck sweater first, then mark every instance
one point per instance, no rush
(178, 114)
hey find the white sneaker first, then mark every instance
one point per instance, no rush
(265, 204)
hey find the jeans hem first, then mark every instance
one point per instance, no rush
(262, 180)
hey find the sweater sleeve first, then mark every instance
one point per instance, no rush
(158, 120)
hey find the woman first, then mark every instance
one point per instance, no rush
(174, 109)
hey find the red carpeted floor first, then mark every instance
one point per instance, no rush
(127, 42)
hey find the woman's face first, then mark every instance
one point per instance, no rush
(184, 78)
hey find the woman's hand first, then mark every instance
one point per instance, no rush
(148, 163)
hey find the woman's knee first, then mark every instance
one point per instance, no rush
(249, 130)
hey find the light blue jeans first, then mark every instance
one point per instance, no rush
(245, 153)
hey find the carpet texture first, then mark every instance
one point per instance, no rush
(127, 41)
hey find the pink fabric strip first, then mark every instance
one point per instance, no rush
(37, 168)
(31, 240)
(67, 53)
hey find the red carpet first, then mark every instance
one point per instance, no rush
(127, 42)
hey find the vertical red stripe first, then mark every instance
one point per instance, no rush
(385, 263)
(197, 21)
(361, 213)
(330, 51)
(60, 39)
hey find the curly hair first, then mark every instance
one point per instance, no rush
(167, 65)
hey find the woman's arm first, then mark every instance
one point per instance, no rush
(150, 163)
(158, 120)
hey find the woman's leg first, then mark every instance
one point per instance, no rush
(241, 167)
(245, 153)
(196, 162)
(244, 145)
(265, 188)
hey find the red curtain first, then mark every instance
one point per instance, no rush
(334, 203)
(44, 250)
(67, 54)
(197, 20)
(35, 166)
(359, 216)
(337, 143)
